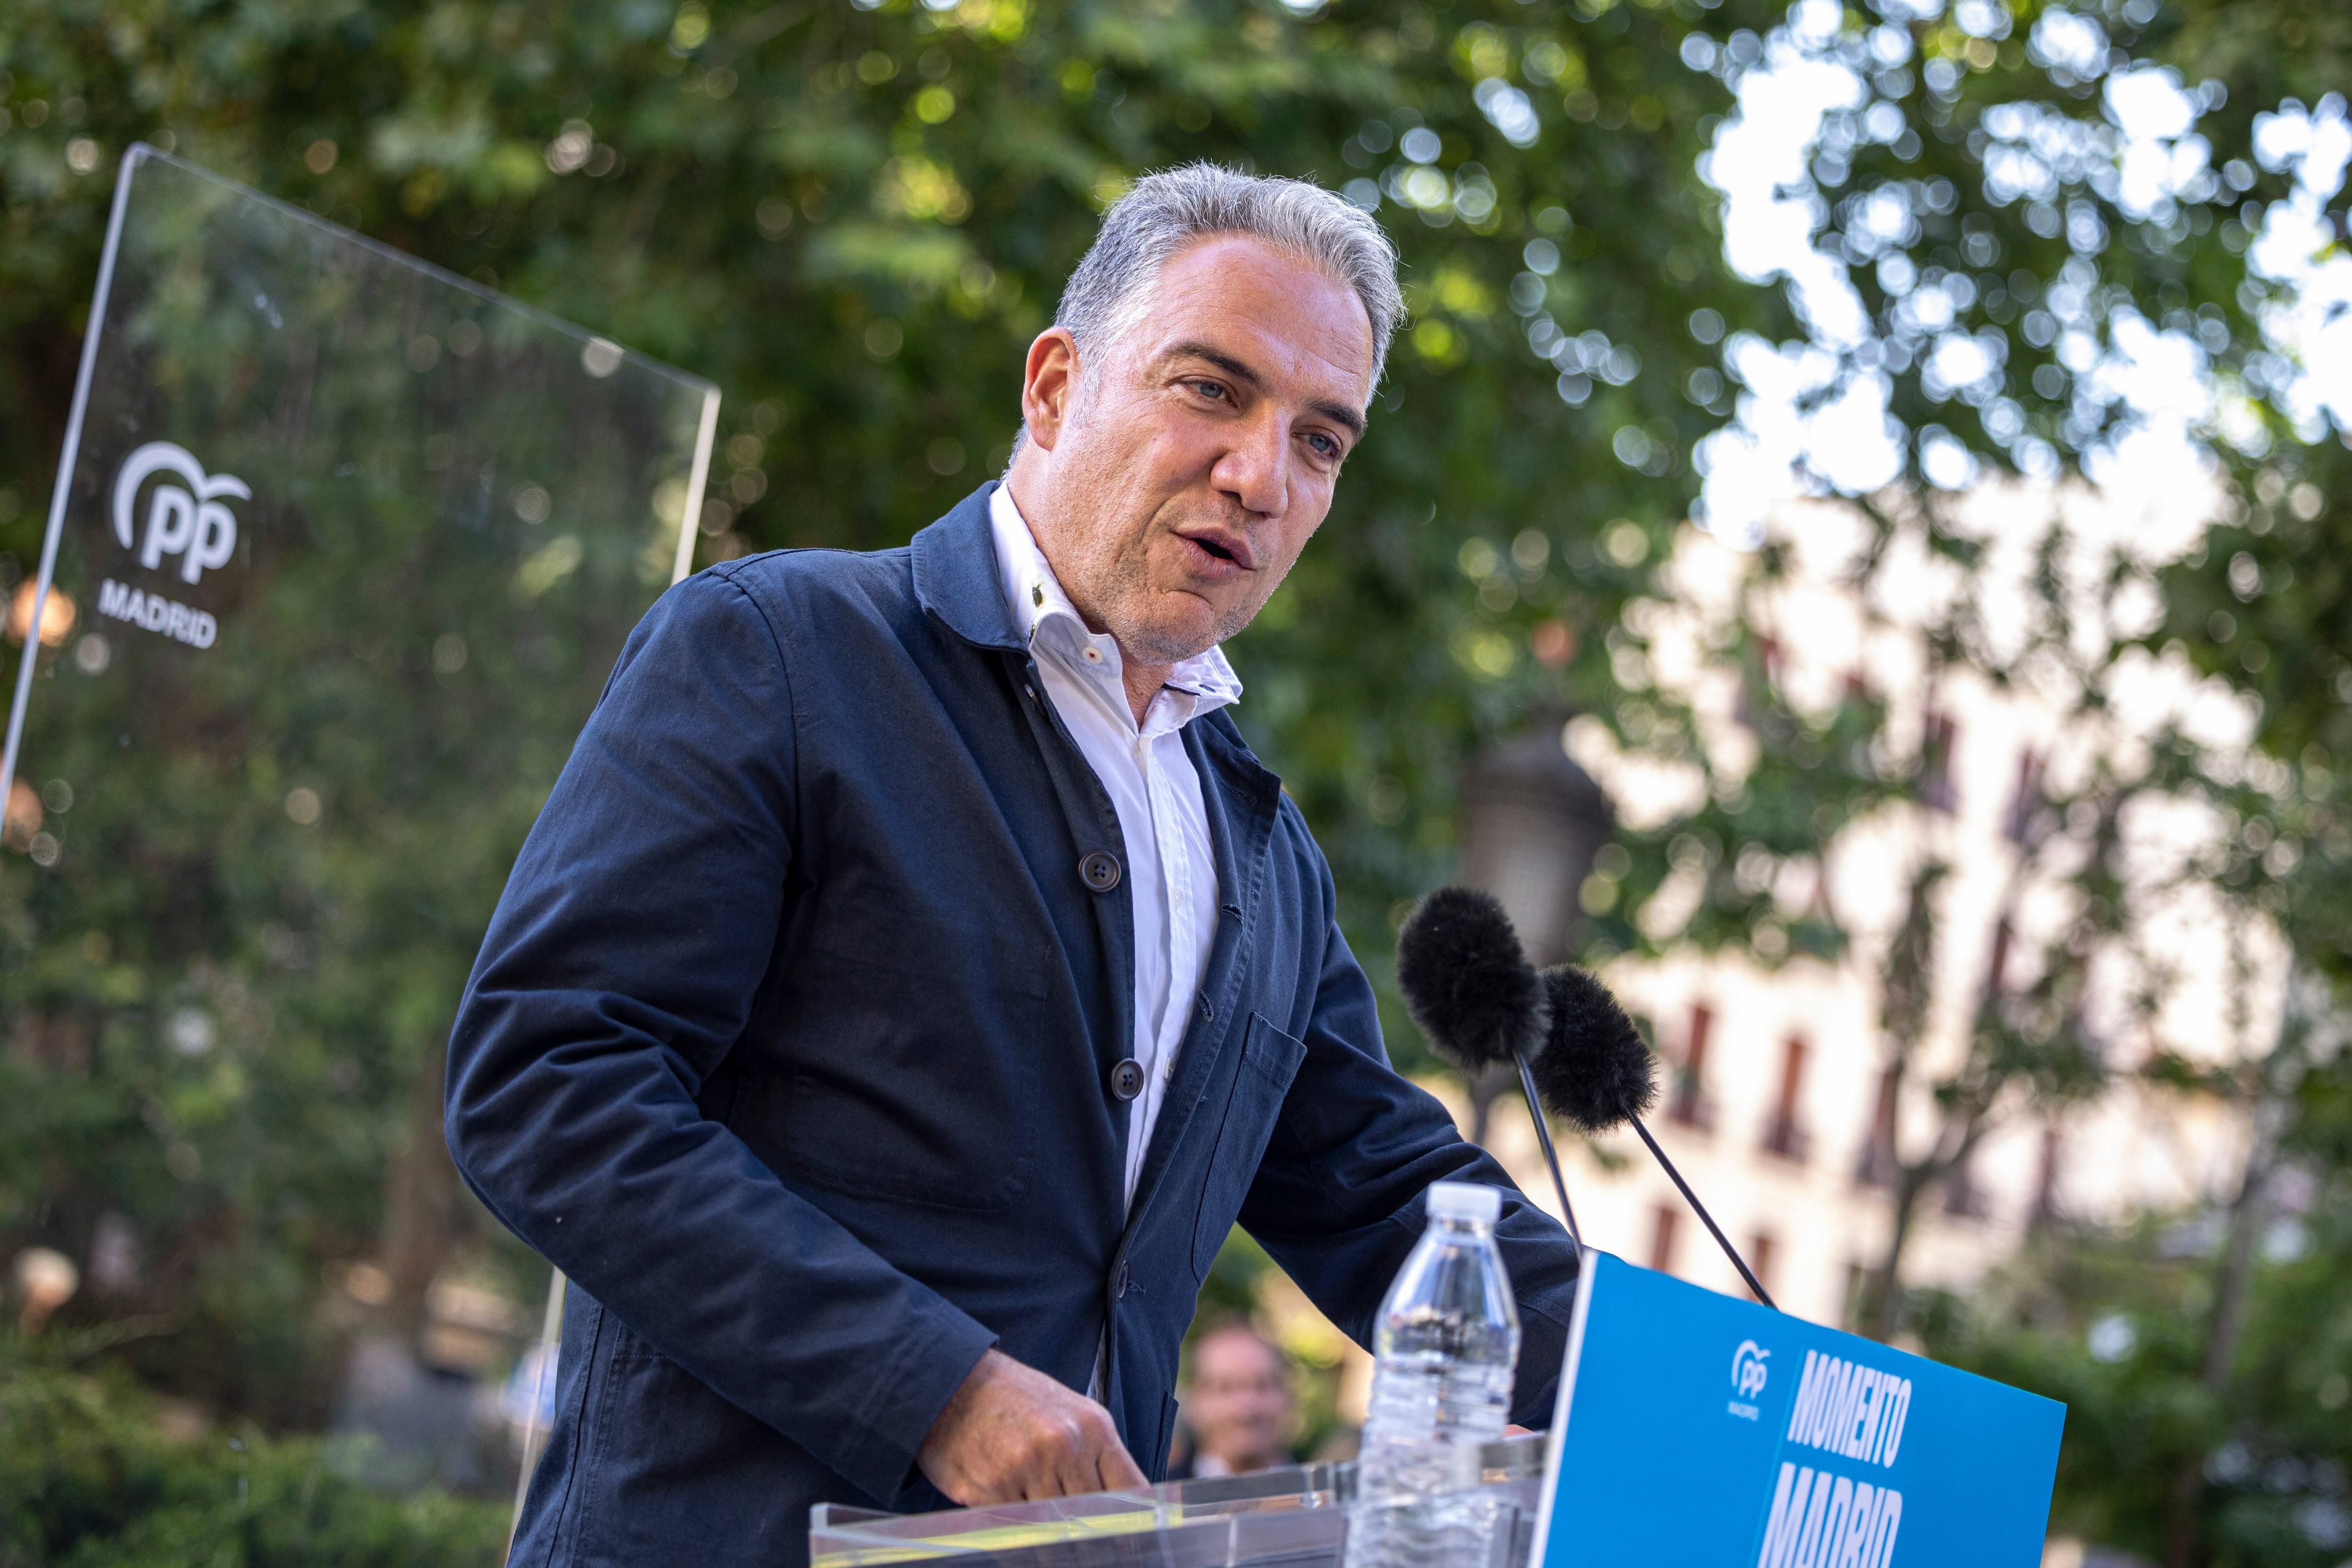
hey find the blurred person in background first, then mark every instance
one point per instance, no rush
(1237, 1405)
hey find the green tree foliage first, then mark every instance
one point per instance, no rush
(2185, 1445)
(854, 221)
(89, 1476)
(2025, 235)
(1979, 192)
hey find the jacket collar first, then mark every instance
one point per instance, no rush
(956, 575)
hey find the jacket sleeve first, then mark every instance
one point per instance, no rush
(618, 971)
(1337, 1199)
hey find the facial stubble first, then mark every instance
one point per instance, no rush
(1111, 583)
(1128, 594)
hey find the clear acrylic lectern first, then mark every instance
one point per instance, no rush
(1296, 1517)
(341, 550)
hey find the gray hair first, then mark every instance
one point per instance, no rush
(1113, 288)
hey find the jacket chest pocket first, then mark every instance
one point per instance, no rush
(1269, 1061)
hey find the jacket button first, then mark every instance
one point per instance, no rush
(1208, 1008)
(1100, 871)
(1119, 1286)
(1126, 1078)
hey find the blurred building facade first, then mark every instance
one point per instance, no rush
(1777, 1101)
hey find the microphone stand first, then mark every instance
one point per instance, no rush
(1543, 1136)
(1690, 1198)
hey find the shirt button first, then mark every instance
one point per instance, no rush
(1126, 1078)
(1100, 871)
(1094, 655)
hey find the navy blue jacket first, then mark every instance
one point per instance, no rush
(791, 1043)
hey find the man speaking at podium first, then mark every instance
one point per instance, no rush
(913, 975)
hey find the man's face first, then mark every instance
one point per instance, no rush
(1239, 1402)
(1173, 495)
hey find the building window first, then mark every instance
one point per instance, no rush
(1689, 1105)
(1878, 1165)
(1936, 789)
(1663, 1221)
(1857, 1295)
(2024, 798)
(1783, 1135)
(1963, 1199)
(1760, 1258)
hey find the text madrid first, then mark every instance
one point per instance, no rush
(1824, 1520)
(156, 613)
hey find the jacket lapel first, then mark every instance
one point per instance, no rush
(957, 581)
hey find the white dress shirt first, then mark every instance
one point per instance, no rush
(1171, 871)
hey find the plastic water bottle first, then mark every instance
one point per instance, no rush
(1447, 1347)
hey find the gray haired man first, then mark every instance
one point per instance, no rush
(914, 976)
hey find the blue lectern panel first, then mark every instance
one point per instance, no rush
(1697, 1431)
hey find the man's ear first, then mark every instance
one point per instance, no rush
(1049, 385)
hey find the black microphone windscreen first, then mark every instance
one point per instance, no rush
(1595, 1070)
(1466, 979)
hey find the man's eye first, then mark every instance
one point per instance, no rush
(1209, 389)
(1324, 444)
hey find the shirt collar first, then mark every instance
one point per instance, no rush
(1049, 622)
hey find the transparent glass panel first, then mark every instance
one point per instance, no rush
(1297, 1516)
(342, 551)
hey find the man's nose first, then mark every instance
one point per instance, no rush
(1256, 467)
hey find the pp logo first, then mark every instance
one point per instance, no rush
(1748, 1369)
(186, 519)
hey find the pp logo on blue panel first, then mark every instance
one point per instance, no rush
(1749, 1374)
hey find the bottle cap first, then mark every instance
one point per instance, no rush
(1464, 1199)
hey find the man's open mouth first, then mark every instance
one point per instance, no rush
(1223, 545)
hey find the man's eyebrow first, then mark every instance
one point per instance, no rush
(1238, 369)
(1338, 413)
(1341, 415)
